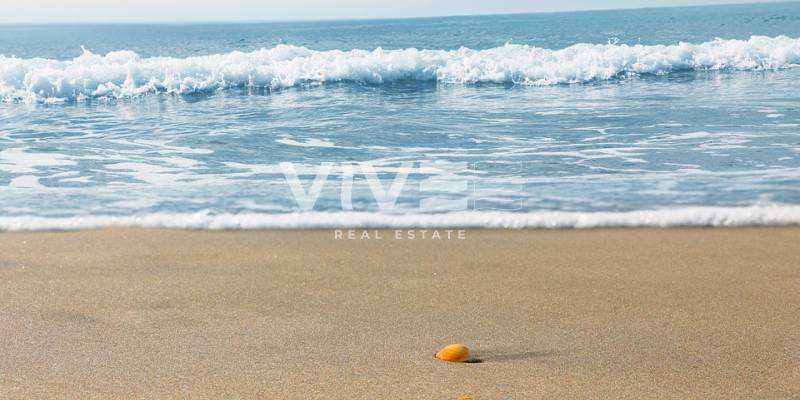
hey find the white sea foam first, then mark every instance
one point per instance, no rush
(123, 74)
(774, 215)
(19, 161)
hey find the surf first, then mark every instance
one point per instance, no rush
(767, 215)
(124, 74)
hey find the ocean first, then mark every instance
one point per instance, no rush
(651, 117)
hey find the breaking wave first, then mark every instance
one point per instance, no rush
(124, 74)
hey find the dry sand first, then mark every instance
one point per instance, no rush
(678, 313)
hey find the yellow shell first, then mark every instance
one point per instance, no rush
(454, 353)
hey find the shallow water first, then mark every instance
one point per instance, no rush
(536, 133)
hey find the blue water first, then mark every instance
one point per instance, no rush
(679, 116)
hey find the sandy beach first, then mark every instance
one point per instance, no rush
(630, 313)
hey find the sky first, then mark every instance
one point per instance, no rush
(69, 11)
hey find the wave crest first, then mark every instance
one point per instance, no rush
(122, 74)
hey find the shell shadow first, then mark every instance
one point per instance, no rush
(490, 356)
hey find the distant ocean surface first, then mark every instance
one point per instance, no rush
(656, 117)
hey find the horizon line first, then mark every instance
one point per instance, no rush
(300, 20)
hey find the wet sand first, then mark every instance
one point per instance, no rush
(631, 313)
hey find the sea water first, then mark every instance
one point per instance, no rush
(654, 117)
